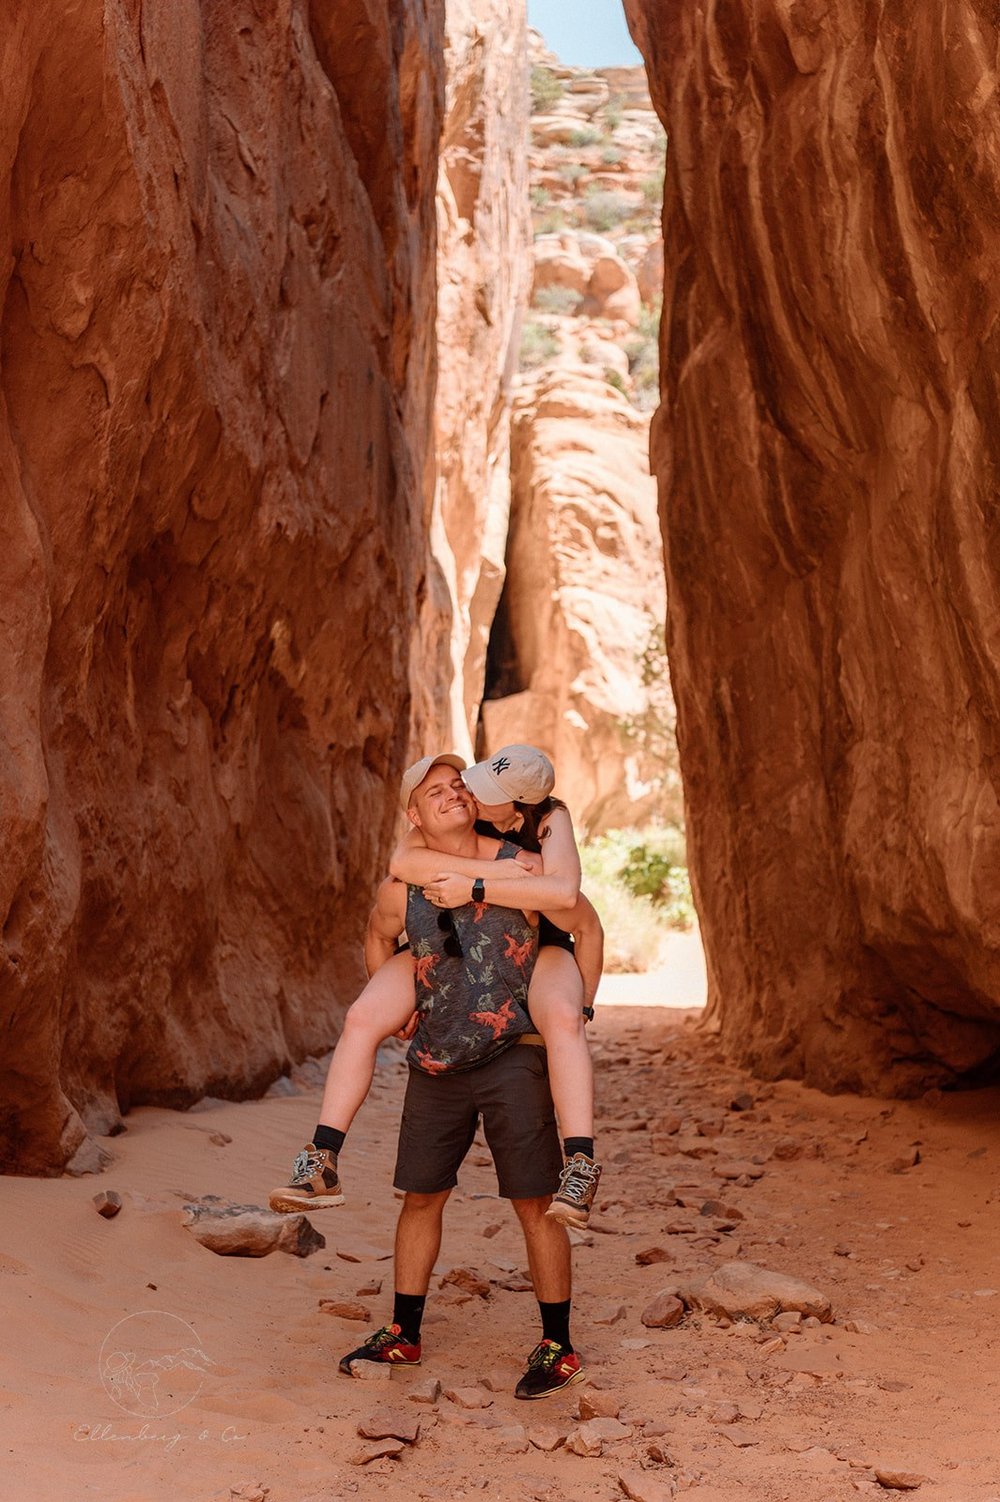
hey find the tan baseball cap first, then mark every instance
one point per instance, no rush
(514, 774)
(414, 776)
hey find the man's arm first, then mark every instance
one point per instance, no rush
(557, 890)
(413, 862)
(588, 935)
(386, 922)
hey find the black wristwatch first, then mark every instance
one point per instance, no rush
(479, 890)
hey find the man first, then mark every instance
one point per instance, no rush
(473, 1053)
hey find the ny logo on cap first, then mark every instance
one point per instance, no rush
(501, 764)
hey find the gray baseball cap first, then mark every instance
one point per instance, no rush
(414, 776)
(514, 774)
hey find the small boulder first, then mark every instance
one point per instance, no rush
(344, 1309)
(651, 1254)
(742, 1290)
(594, 1404)
(249, 1230)
(428, 1391)
(544, 1437)
(468, 1280)
(893, 1480)
(608, 1314)
(377, 1372)
(383, 1449)
(391, 1423)
(512, 1437)
(590, 1438)
(107, 1203)
(469, 1397)
(640, 1486)
(664, 1312)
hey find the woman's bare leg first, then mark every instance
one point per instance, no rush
(384, 1006)
(555, 1000)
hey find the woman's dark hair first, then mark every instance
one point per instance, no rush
(532, 815)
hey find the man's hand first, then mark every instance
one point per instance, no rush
(406, 1032)
(449, 890)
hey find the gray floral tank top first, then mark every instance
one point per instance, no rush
(473, 965)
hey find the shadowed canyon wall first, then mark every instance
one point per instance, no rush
(828, 452)
(217, 352)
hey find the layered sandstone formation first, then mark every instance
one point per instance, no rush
(484, 274)
(217, 248)
(827, 453)
(584, 596)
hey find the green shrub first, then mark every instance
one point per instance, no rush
(611, 156)
(546, 89)
(643, 352)
(586, 137)
(553, 219)
(539, 345)
(556, 300)
(619, 869)
(602, 210)
(571, 172)
(652, 188)
(539, 197)
(616, 379)
(614, 112)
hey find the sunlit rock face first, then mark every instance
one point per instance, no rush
(217, 236)
(827, 452)
(583, 598)
(484, 274)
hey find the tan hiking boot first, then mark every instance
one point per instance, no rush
(315, 1183)
(574, 1199)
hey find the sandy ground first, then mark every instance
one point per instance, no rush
(910, 1256)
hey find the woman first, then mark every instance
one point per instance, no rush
(513, 792)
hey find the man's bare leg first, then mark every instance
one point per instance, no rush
(418, 1242)
(553, 1363)
(547, 1243)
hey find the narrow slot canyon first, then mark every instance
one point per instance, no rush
(375, 382)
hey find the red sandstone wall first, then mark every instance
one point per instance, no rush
(216, 383)
(828, 457)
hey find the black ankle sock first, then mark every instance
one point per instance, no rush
(329, 1137)
(573, 1145)
(555, 1323)
(407, 1312)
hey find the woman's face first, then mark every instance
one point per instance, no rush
(500, 814)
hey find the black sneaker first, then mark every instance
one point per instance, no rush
(550, 1369)
(315, 1183)
(387, 1344)
(574, 1199)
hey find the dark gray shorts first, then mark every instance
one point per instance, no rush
(441, 1112)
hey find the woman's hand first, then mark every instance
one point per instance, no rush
(406, 1032)
(449, 890)
(530, 862)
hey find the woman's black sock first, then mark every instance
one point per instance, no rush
(330, 1138)
(555, 1322)
(407, 1312)
(573, 1145)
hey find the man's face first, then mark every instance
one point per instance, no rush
(442, 804)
